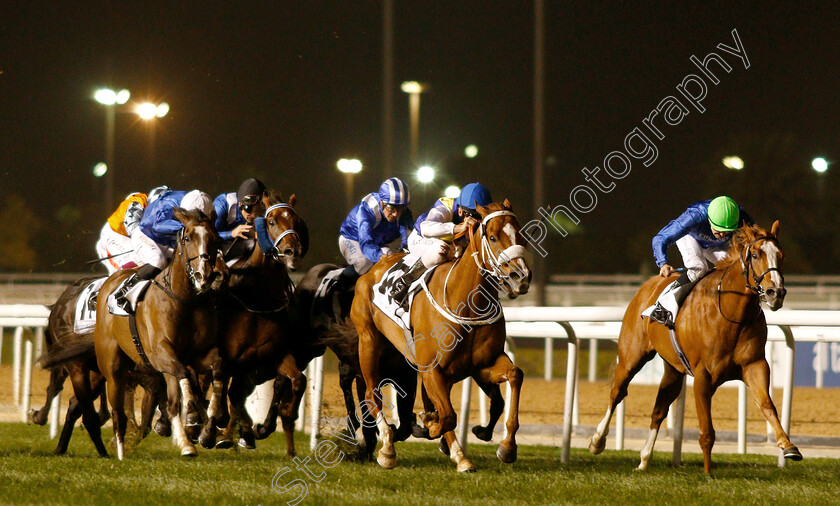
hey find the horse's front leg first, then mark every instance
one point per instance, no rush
(757, 378)
(669, 389)
(370, 351)
(704, 389)
(288, 413)
(505, 370)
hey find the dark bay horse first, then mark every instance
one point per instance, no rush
(260, 335)
(176, 325)
(449, 346)
(722, 332)
(72, 354)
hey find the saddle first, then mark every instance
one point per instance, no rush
(134, 296)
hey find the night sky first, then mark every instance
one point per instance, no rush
(282, 90)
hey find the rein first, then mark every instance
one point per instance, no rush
(747, 271)
(511, 253)
(166, 287)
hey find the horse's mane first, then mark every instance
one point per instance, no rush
(741, 238)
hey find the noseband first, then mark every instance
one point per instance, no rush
(187, 261)
(496, 262)
(268, 245)
(749, 270)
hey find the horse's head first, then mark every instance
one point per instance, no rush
(502, 248)
(761, 259)
(288, 235)
(197, 247)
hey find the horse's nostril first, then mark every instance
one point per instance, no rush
(515, 276)
(771, 292)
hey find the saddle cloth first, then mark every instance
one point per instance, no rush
(84, 317)
(133, 296)
(327, 282)
(382, 295)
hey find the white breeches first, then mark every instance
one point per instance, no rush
(352, 252)
(147, 251)
(430, 250)
(697, 260)
(112, 243)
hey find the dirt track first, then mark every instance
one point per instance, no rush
(815, 412)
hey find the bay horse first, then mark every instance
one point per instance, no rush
(176, 325)
(70, 353)
(260, 335)
(473, 347)
(722, 332)
(337, 333)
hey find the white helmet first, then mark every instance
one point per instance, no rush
(197, 200)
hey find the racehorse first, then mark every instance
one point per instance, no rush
(72, 354)
(722, 332)
(175, 323)
(495, 259)
(335, 331)
(260, 332)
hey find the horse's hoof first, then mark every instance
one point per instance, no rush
(246, 443)
(261, 431)
(34, 417)
(506, 455)
(224, 444)
(222, 422)
(387, 461)
(792, 453)
(420, 432)
(444, 447)
(597, 447)
(401, 434)
(482, 433)
(189, 452)
(193, 419)
(207, 438)
(192, 432)
(163, 429)
(466, 466)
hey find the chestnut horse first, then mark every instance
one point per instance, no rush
(722, 332)
(72, 354)
(260, 331)
(176, 324)
(473, 346)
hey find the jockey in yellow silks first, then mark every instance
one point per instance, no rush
(114, 245)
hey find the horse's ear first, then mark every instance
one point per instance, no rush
(181, 214)
(508, 205)
(774, 230)
(483, 211)
(213, 216)
(292, 200)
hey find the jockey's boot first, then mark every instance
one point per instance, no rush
(399, 292)
(664, 312)
(144, 273)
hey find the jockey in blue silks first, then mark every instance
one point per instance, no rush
(154, 242)
(433, 238)
(378, 225)
(702, 234)
(236, 211)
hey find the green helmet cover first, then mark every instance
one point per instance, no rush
(724, 214)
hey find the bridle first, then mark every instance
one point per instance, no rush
(749, 271)
(511, 253)
(187, 261)
(268, 245)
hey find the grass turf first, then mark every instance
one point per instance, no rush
(153, 473)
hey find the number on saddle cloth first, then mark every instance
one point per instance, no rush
(84, 317)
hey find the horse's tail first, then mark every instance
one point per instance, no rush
(343, 339)
(67, 350)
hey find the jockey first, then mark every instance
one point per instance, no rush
(434, 233)
(376, 226)
(154, 242)
(115, 236)
(236, 211)
(702, 234)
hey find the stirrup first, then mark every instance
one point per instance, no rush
(662, 316)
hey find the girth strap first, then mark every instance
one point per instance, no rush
(132, 326)
(680, 353)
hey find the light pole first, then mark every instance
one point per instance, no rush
(425, 175)
(349, 167)
(820, 166)
(414, 89)
(111, 99)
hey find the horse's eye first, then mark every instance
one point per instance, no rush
(271, 222)
(492, 238)
(755, 256)
(186, 238)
